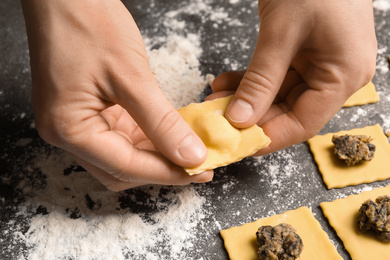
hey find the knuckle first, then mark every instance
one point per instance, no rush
(253, 83)
(370, 69)
(128, 171)
(304, 129)
(136, 74)
(366, 68)
(364, 71)
(57, 129)
(47, 129)
(168, 121)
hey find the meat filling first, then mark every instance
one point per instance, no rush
(353, 149)
(375, 216)
(280, 242)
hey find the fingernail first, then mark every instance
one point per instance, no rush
(240, 111)
(204, 177)
(191, 148)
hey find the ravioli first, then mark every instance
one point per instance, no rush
(240, 241)
(225, 143)
(342, 215)
(336, 174)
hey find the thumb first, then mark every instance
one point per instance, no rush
(258, 88)
(160, 121)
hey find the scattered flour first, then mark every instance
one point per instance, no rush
(277, 173)
(383, 5)
(71, 216)
(233, 2)
(359, 113)
(386, 123)
(382, 64)
(203, 9)
(75, 217)
(176, 69)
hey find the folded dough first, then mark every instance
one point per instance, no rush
(225, 143)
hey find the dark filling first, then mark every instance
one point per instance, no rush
(375, 216)
(353, 149)
(278, 243)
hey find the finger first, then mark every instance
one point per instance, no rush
(120, 121)
(106, 179)
(114, 184)
(158, 119)
(227, 81)
(285, 105)
(288, 91)
(274, 52)
(291, 80)
(219, 95)
(304, 120)
(112, 158)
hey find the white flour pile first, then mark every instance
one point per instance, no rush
(106, 232)
(176, 69)
(383, 5)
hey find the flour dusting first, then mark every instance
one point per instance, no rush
(72, 216)
(56, 210)
(383, 5)
(175, 66)
(75, 215)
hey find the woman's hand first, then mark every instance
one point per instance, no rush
(311, 56)
(94, 96)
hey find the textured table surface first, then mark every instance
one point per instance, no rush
(40, 182)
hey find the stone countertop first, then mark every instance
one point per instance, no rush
(239, 193)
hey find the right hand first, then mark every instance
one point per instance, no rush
(94, 96)
(310, 57)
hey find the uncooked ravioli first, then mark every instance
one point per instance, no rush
(240, 242)
(336, 174)
(225, 143)
(342, 215)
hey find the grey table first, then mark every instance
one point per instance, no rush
(239, 193)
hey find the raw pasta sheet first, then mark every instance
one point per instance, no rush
(365, 95)
(240, 242)
(342, 215)
(336, 174)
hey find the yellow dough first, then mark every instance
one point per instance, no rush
(240, 242)
(365, 95)
(336, 174)
(225, 143)
(342, 215)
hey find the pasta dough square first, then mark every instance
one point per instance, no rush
(336, 174)
(225, 143)
(365, 95)
(240, 242)
(342, 215)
